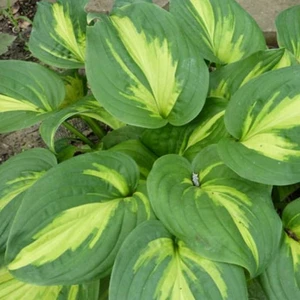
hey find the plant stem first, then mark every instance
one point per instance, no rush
(99, 132)
(72, 129)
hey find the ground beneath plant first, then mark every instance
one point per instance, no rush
(19, 12)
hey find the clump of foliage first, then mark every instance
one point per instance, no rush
(184, 195)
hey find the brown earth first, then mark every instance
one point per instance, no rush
(16, 142)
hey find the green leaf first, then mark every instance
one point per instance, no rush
(86, 106)
(75, 86)
(168, 139)
(207, 128)
(17, 175)
(127, 53)
(291, 220)
(263, 118)
(122, 134)
(58, 34)
(226, 80)
(73, 221)
(12, 289)
(281, 280)
(288, 35)
(210, 127)
(161, 267)
(5, 41)
(141, 155)
(194, 201)
(65, 149)
(221, 29)
(28, 93)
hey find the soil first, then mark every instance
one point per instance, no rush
(15, 142)
(19, 50)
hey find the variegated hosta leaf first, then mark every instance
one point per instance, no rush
(141, 154)
(221, 29)
(13, 289)
(28, 92)
(58, 34)
(213, 211)
(228, 79)
(17, 175)
(168, 139)
(139, 62)
(73, 221)
(208, 128)
(281, 280)
(287, 25)
(263, 118)
(291, 220)
(87, 106)
(162, 267)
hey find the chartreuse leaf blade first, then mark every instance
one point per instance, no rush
(288, 35)
(222, 30)
(161, 267)
(281, 280)
(11, 289)
(58, 34)
(17, 175)
(73, 232)
(264, 119)
(228, 79)
(210, 127)
(75, 86)
(194, 201)
(28, 93)
(86, 106)
(132, 55)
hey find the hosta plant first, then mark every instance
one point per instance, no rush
(187, 188)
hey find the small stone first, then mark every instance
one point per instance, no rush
(161, 3)
(15, 8)
(3, 3)
(24, 24)
(103, 6)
